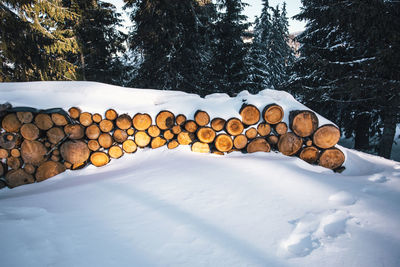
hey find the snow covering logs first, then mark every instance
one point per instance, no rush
(38, 144)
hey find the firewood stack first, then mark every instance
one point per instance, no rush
(36, 145)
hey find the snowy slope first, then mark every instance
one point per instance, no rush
(177, 208)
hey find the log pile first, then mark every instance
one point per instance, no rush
(36, 145)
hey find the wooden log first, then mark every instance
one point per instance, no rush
(240, 141)
(78, 166)
(11, 123)
(29, 168)
(111, 114)
(47, 144)
(185, 138)
(234, 126)
(124, 122)
(180, 119)
(8, 140)
(308, 142)
(15, 153)
(97, 118)
(49, 169)
(176, 129)
(258, 145)
(43, 121)
(74, 113)
(168, 134)
(14, 163)
(154, 131)
(93, 132)
(219, 153)
(223, 143)
(106, 126)
(99, 159)
(30, 131)
(25, 116)
(206, 135)
(85, 119)
(142, 139)
(55, 158)
(200, 147)
(326, 136)
(56, 152)
(201, 118)
(273, 113)
(4, 153)
(115, 152)
(273, 140)
(33, 152)
(218, 124)
(158, 142)
(281, 128)
(289, 144)
(74, 131)
(93, 145)
(250, 114)
(303, 122)
(309, 154)
(75, 152)
(331, 158)
(55, 135)
(105, 140)
(130, 131)
(141, 121)
(67, 165)
(18, 177)
(191, 126)
(165, 120)
(59, 119)
(173, 144)
(120, 136)
(251, 133)
(2, 170)
(129, 146)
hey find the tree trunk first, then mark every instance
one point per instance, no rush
(361, 139)
(389, 130)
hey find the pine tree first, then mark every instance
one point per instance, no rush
(34, 44)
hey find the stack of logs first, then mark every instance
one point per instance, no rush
(35, 146)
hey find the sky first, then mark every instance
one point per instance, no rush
(252, 10)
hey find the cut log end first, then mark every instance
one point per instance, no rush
(106, 126)
(240, 141)
(99, 159)
(18, 177)
(200, 147)
(289, 144)
(33, 152)
(251, 133)
(30, 131)
(105, 140)
(93, 145)
(206, 135)
(115, 152)
(258, 145)
(85, 119)
(158, 142)
(93, 132)
(141, 121)
(75, 152)
(120, 136)
(154, 131)
(185, 138)
(309, 154)
(331, 158)
(218, 124)
(303, 122)
(326, 136)
(124, 122)
(48, 169)
(191, 126)
(234, 127)
(273, 114)
(223, 143)
(111, 114)
(168, 134)
(250, 114)
(281, 128)
(11, 123)
(74, 131)
(165, 120)
(173, 144)
(129, 146)
(202, 118)
(142, 139)
(59, 119)
(55, 135)
(74, 112)
(25, 116)
(180, 119)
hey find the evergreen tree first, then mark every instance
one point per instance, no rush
(34, 43)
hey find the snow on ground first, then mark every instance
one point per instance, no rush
(177, 208)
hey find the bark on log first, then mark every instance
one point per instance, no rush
(106, 126)
(43, 121)
(240, 141)
(30, 131)
(142, 139)
(251, 133)
(326, 136)
(289, 144)
(273, 114)
(120, 136)
(3, 153)
(49, 169)
(206, 135)
(124, 122)
(165, 120)
(59, 119)
(105, 140)
(218, 124)
(200, 147)
(185, 138)
(74, 131)
(191, 126)
(250, 114)
(281, 128)
(15, 153)
(74, 113)
(14, 163)
(75, 152)
(33, 152)
(129, 146)
(158, 142)
(310, 154)
(180, 119)
(85, 119)
(111, 114)
(176, 129)
(18, 177)
(141, 121)
(154, 131)
(93, 132)
(303, 122)
(115, 152)
(331, 158)
(55, 135)
(168, 134)
(172, 144)
(97, 118)
(258, 145)
(201, 118)
(11, 123)
(234, 126)
(223, 143)
(99, 159)
(25, 116)
(93, 145)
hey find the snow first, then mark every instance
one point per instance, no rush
(177, 208)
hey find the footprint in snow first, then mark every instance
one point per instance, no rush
(342, 198)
